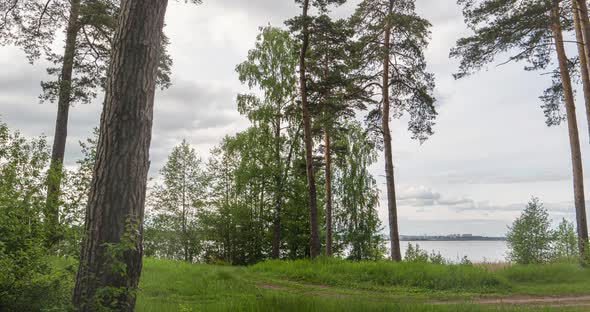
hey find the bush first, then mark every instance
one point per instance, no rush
(27, 282)
(416, 254)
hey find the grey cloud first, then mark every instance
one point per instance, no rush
(422, 196)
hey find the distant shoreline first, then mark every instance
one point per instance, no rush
(453, 238)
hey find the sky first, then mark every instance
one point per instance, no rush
(491, 151)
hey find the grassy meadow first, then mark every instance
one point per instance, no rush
(338, 285)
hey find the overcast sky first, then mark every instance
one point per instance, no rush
(490, 154)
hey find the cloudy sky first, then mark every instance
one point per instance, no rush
(490, 154)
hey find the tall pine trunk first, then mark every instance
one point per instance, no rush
(395, 252)
(328, 191)
(572, 123)
(115, 211)
(276, 240)
(314, 248)
(583, 55)
(61, 127)
(582, 7)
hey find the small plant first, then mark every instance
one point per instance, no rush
(436, 258)
(465, 261)
(416, 254)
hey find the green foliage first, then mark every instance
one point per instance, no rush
(270, 67)
(521, 29)
(529, 238)
(415, 254)
(73, 199)
(532, 241)
(172, 223)
(565, 241)
(27, 281)
(33, 24)
(411, 85)
(357, 197)
(109, 298)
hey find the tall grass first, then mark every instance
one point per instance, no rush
(385, 273)
(170, 286)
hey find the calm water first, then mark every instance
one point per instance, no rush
(476, 251)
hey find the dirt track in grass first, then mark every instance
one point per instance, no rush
(516, 300)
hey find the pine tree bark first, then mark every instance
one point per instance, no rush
(328, 191)
(582, 7)
(116, 200)
(276, 241)
(314, 248)
(576, 156)
(61, 127)
(583, 55)
(395, 252)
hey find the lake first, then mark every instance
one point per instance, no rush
(476, 251)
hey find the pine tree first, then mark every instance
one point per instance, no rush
(395, 38)
(532, 32)
(302, 25)
(79, 70)
(111, 256)
(335, 93)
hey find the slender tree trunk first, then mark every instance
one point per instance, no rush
(314, 248)
(276, 240)
(389, 174)
(328, 160)
(184, 235)
(572, 123)
(61, 127)
(583, 54)
(116, 202)
(582, 7)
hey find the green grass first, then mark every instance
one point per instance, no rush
(372, 275)
(550, 279)
(337, 285)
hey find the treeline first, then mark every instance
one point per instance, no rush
(225, 210)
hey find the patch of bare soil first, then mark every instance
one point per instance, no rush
(271, 286)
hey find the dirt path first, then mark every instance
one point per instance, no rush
(329, 291)
(561, 301)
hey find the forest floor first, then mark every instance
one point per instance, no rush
(336, 285)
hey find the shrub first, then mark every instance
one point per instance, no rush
(27, 282)
(416, 254)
